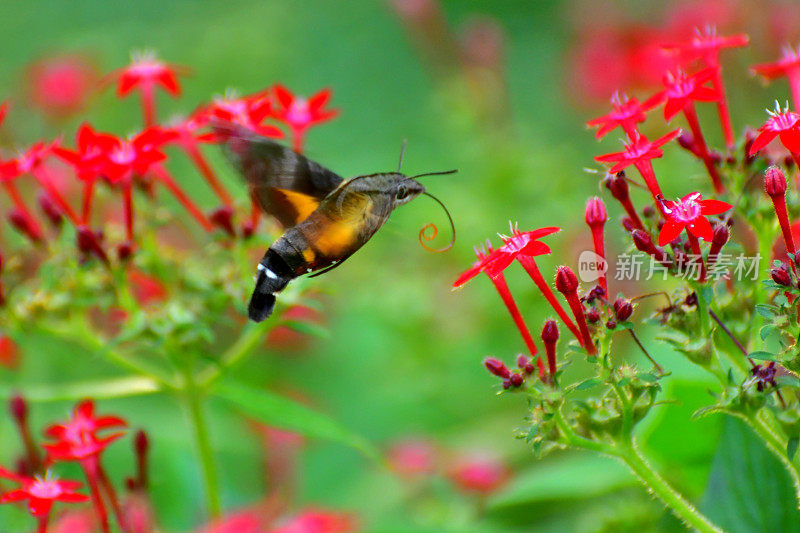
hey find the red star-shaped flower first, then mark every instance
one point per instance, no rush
(485, 258)
(300, 113)
(146, 72)
(782, 124)
(28, 161)
(682, 89)
(689, 212)
(77, 439)
(638, 150)
(248, 111)
(707, 45)
(626, 113)
(524, 243)
(787, 65)
(88, 158)
(187, 131)
(41, 493)
(136, 155)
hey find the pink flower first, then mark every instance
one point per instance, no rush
(248, 111)
(782, 124)
(639, 150)
(318, 521)
(682, 89)
(41, 493)
(481, 474)
(61, 85)
(690, 213)
(626, 113)
(146, 72)
(301, 113)
(78, 438)
(707, 45)
(412, 458)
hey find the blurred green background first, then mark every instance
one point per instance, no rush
(403, 357)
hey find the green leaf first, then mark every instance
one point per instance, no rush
(748, 488)
(762, 356)
(766, 331)
(283, 413)
(791, 447)
(588, 384)
(564, 479)
(780, 300)
(108, 388)
(765, 311)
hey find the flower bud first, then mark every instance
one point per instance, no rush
(248, 229)
(648, 211)
(623, 309)
(125, 250)
(691, 299)
(525, 364)
(611, 324)
(22, 222)
(49, 209)
(550, 331)
(516, 379)
(89, 242)
(566, 280)
(627, 224)
(496, 367)
(781, 276)
(721, 235)
(749, 137)
(223, 218)
(774, 182)
(593, 315)
(19, 408)
(141, 443)
(596, 212)
(617, 185)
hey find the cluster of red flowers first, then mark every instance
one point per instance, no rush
(82, 439)
(697, 78)
(139, 159)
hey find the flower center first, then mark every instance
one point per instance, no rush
(299, 113)
(124, 155)
(45, 489)
(686, 210)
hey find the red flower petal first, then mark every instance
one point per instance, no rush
(713, 207)
(284, 96)
(791, 140)
(670, 231)
(14, 496)
(319, 100)
(701, 228)
(39, 506)
(763, 139)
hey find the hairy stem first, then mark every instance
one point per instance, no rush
(197, 419)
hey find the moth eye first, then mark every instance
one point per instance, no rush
(402, 192)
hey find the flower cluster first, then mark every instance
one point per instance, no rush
(82, 438)
(711, 319)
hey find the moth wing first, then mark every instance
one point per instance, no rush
(284, 183)
(344, 222)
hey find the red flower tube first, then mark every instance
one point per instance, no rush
(617, 184)
(567, 284)
(550, 338)
(596, 218)
(775, 187)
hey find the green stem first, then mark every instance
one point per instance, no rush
(674, 501)
(702, 310)
(197, 418)
(627, 410)
(627, 452)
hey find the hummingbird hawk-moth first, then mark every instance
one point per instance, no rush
(325, 217)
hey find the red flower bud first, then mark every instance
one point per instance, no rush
(223, 218)
(497, 367)
(643, 243)
(611, 323)
(566, 280)
(23, 223)
(141, 442)
(525, 364)
(593, 315)
(49, 209)
(781, 276)
(721, 235)
(596, 212)
(125, 250)
(516, 379)
(648, 211)
(550, 331)
(774, 182)
(19, 409)
(89, 242)
(628, 224)
(617, 185)
(623, 309)
(248, 229)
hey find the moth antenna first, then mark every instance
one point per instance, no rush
(402, 152)
(425, 235)
(440, 173)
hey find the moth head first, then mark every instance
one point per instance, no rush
(406, 189)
